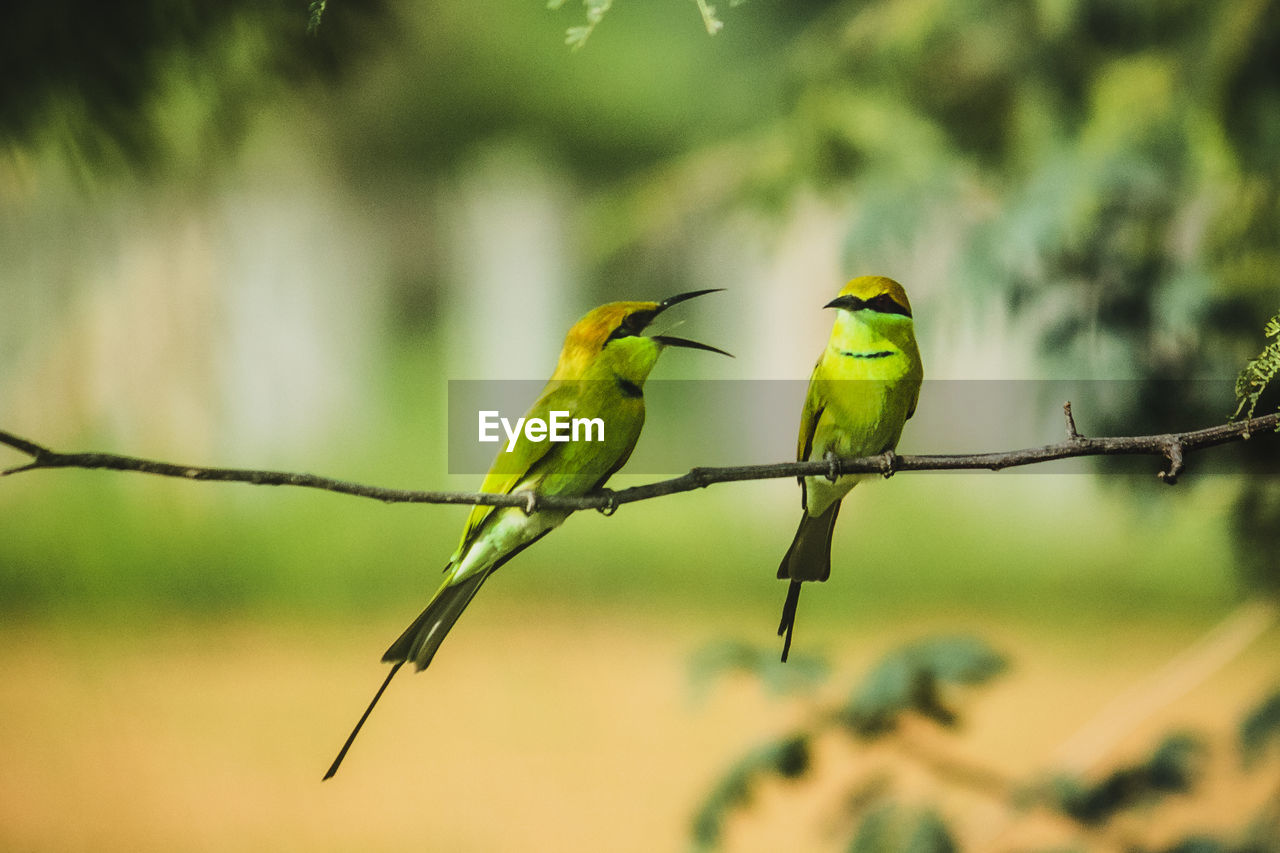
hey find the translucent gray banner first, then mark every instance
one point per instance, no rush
(736, 422)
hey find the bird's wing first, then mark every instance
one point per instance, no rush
(528, 457)
(814, 404)
(915, 398)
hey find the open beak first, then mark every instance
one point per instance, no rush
(672, 341)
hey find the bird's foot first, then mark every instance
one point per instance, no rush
(888, 464)
(530, 503)
(611, 502)
(833, 465)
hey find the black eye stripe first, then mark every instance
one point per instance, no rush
(633, 324)
(886, 304)
(639, 320)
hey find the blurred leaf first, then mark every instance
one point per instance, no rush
(912, 678)
(802, 673)
(892, 828)
(107, 81)
(1198, 844)
(1255, 528)
(315, 14)
(1258, 373)
(1252, 842)
(1170, 769)
(710, 19)
(788, 758)
(930, 836)
(576, 36)
(875, 831)
(1259, 728)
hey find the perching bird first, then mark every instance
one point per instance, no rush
(603, 365)
(863, 389)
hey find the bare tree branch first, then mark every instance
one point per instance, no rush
(1172, 447)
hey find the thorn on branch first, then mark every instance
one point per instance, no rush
(1072, 434)
(1173, 453)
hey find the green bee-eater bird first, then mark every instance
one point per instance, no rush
(601, 372)
(863, 389)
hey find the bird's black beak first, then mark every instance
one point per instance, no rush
(671, 341)
(681, 297)
(849, 303)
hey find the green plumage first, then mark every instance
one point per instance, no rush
(862, 391)
(601, 374)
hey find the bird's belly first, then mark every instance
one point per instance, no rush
(509, 531)
(862, 418)
(821, 493)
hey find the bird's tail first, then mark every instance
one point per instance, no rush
(342, 753)
(421, 640)
(419, 643)
(808, 559)
(789, 617)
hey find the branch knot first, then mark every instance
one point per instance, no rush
(1173, 453)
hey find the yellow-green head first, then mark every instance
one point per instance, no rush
(609, 342)
(875, 293)
(873, 308)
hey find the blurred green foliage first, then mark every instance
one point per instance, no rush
(734, 656)
(136, 85)
(1208, 844)
(891, 693)
(893, 827)
(787, 758)
(1258, 373)
(914, 678)
(1170, 769)
(1260, 729)
(576, 36)
(907, 681)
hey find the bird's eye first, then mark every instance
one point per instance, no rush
(886, 304)
(633, 324)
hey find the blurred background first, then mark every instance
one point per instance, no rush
(227, 242)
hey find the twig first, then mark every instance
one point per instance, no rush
(917, 740)
(1072, 433)
(1171, 446)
